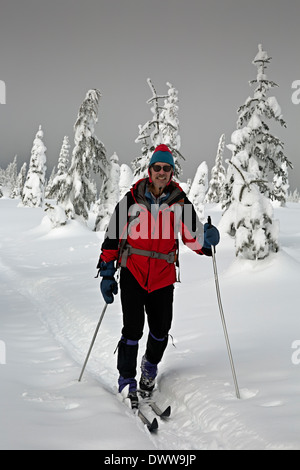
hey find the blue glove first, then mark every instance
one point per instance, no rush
(109, 288)
(211, 236)
(108, 285)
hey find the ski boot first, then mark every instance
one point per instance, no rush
(147, 380)
(130, 385)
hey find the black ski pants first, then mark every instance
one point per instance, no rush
(158, 306)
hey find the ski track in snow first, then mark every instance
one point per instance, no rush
(56, 293)
(191, 411)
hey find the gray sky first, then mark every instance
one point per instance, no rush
(53, 52)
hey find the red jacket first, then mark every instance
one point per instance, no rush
(152, 228)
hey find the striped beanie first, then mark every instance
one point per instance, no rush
(162, 154)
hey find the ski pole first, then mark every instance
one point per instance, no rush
(93, 341)
(223, 317)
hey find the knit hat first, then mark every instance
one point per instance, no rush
(162, 154)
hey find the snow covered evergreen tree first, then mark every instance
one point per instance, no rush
(34, 188)
(2, 180)
(109, 194)
(8, 178)
(294, 196)
(258, 141)
(62, 170)
(215, 192)
(77, 192)
(170, 127)
(1, 176)
(249, 217)
(186, 186)
(64, 156)
(281, 186)
(126, 178)
(50, 181)
(199, 188)
(256, 155)
(163, 128)
(140, 164)
(149, 135)
(21, 178)
(11, 174)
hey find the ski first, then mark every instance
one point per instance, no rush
(134, 405)
(148, 400)
(157, 410)
(151, 425)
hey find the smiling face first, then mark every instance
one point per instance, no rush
(160, 178)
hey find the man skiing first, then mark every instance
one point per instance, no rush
(142, 238)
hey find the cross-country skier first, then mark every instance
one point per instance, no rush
(142, 238)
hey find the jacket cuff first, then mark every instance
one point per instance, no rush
(106, 269)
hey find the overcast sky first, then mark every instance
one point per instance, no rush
(53, 52)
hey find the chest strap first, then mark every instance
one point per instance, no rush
(129, 250)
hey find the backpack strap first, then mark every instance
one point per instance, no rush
(129, 250)
(123, 240)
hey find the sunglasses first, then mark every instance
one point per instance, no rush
(166, 168)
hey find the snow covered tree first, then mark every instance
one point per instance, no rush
(199, 188)
(77, 192)
(64, 156)
(258, 141)
(294, 196)
(249, 217)
(21, 178)
(149, 135)
(163, 128)
(140, 164)
(56, 215)
(170, 127)
(62, 170)
(8, 178)
(1, 181)
(189, 184)
(256, 155)
(281, 186)
(216, 185)
(1, 176)
(126, 178)
(109, 194)
(34, 187)
(50, 181)
(11, 175)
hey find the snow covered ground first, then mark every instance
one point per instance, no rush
(50, 306)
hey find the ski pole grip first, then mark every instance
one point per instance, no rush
(209, 223)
